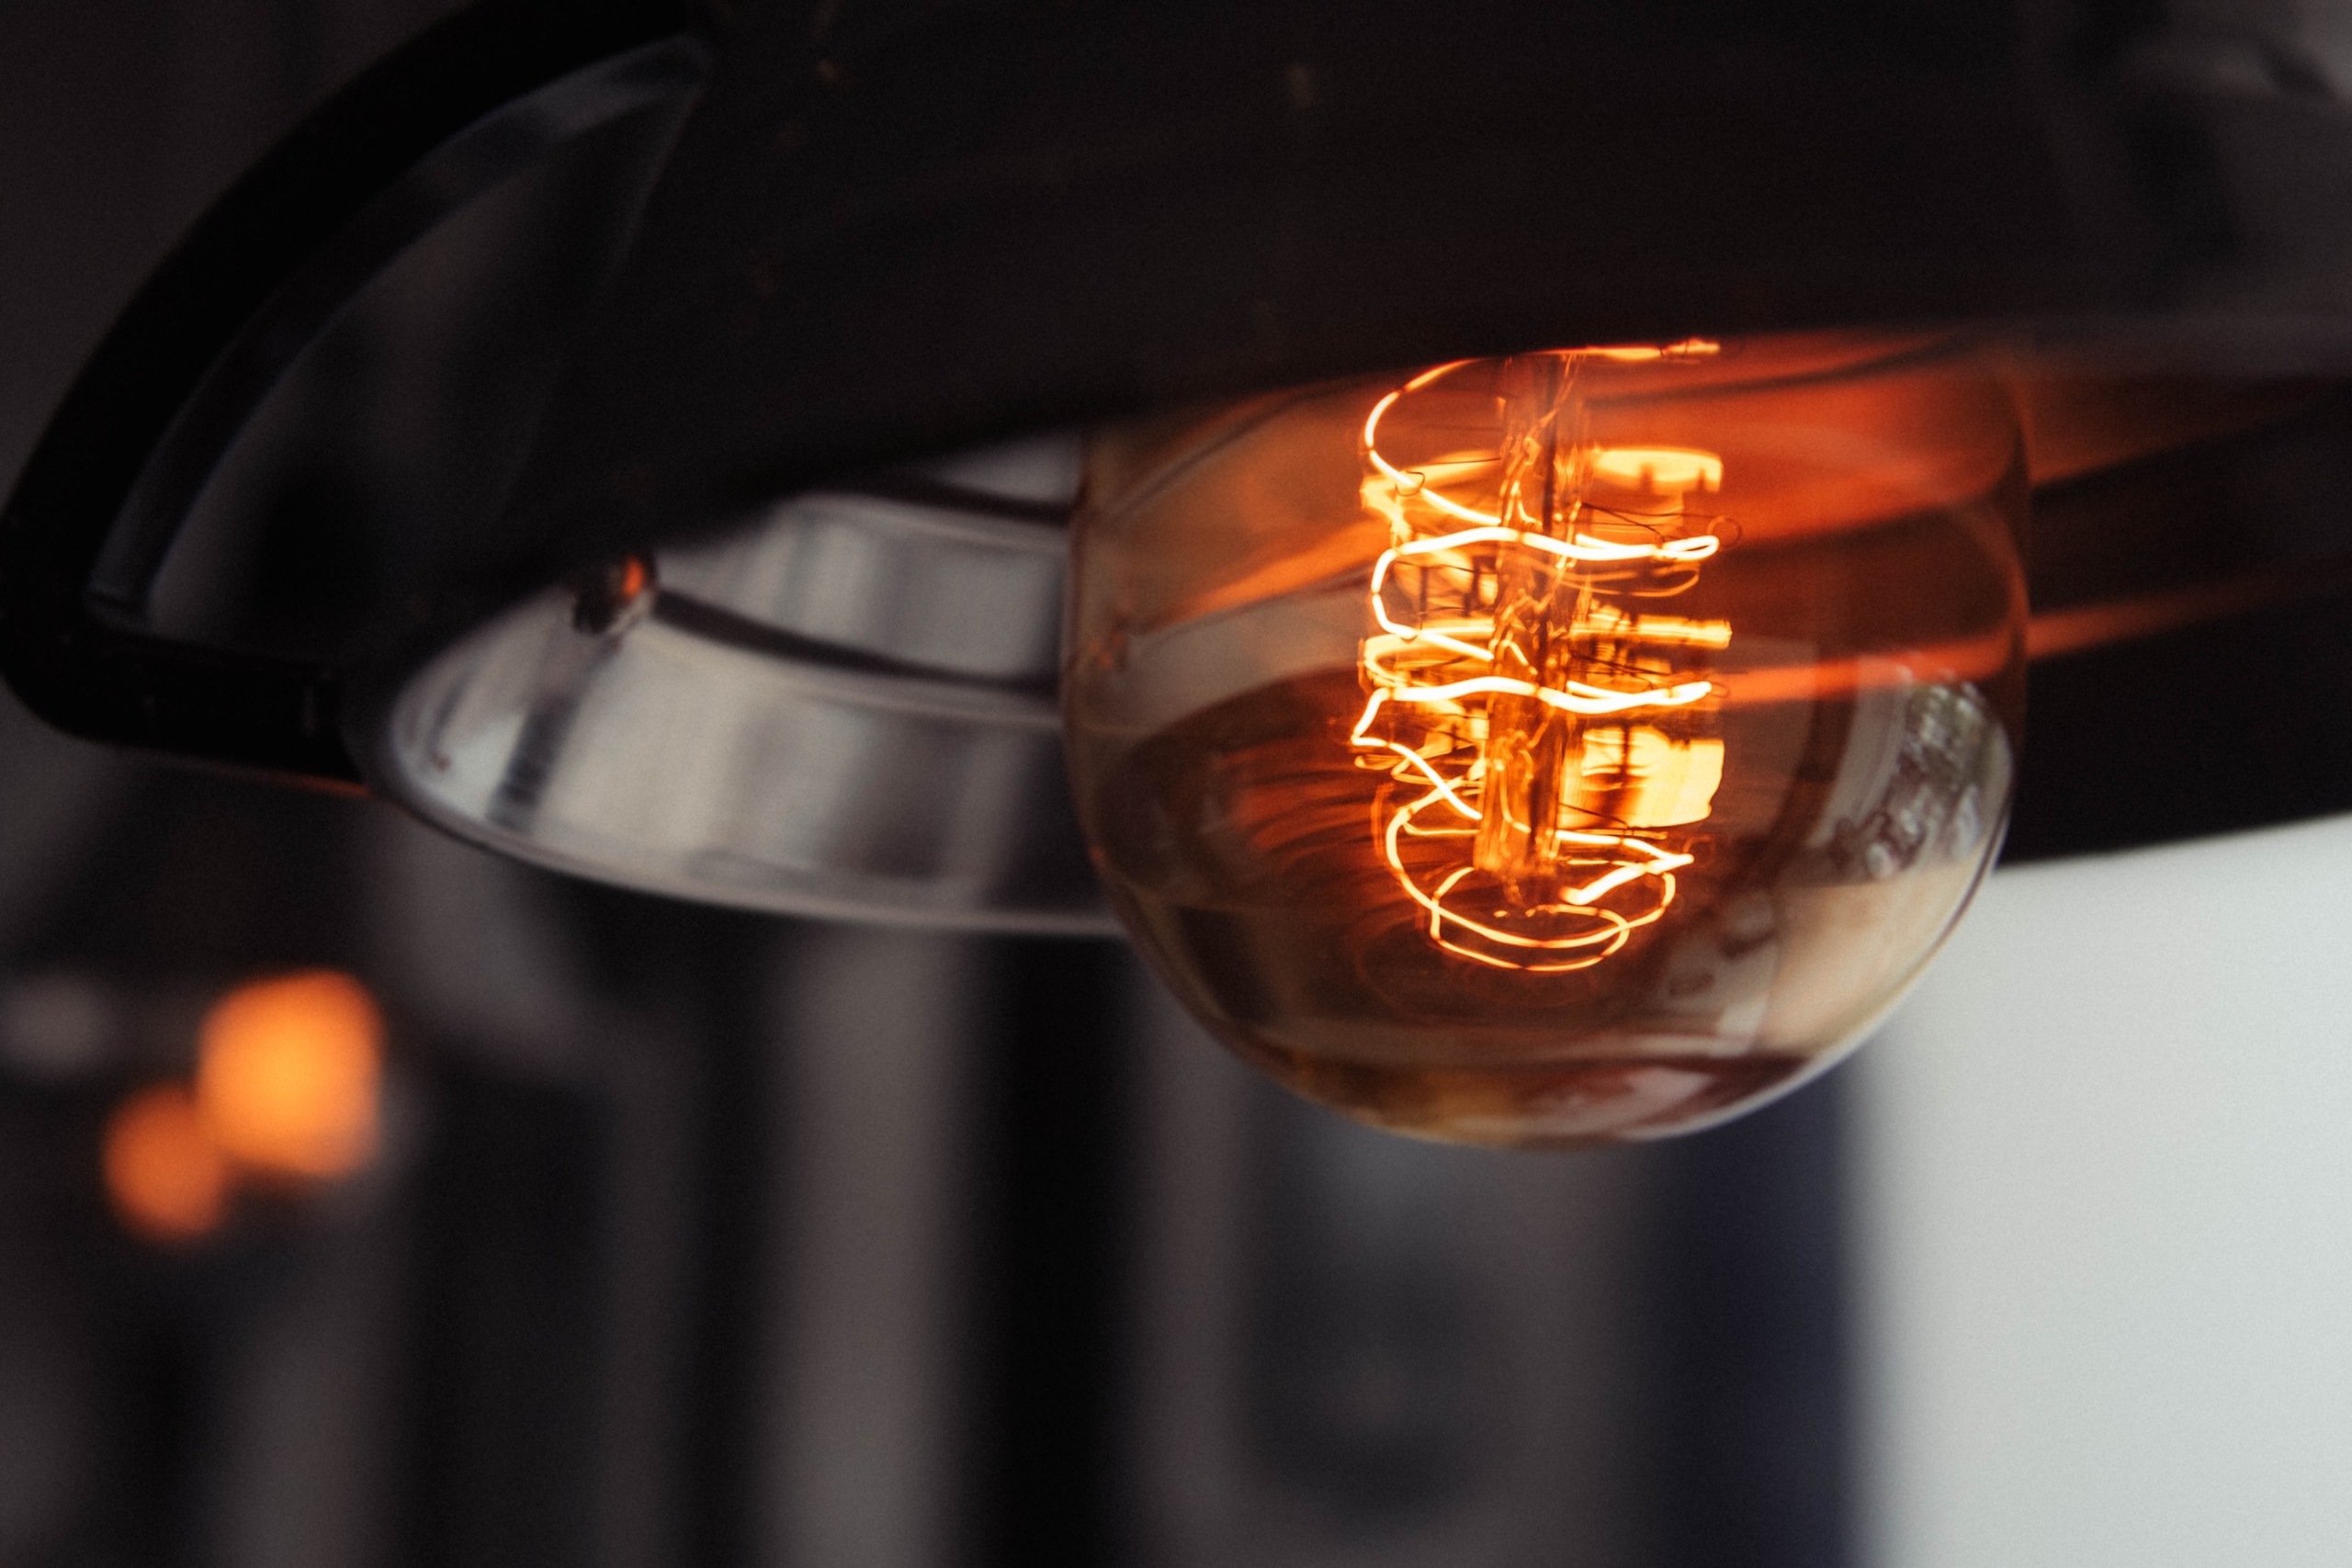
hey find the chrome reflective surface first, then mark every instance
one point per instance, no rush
(973, 597)
(846, 709)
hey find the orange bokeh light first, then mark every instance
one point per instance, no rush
(287, 1075)
(168, 1180)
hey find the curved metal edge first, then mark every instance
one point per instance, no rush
(1001, 922)
(239, 296)
(384, 708)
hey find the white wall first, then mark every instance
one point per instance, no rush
(2105, 1192)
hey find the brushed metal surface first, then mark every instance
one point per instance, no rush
(846, 709)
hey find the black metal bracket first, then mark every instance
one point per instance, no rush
(263, 274)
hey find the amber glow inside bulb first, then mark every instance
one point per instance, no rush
(1572, 746)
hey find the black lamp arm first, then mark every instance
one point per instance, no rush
(265, 271)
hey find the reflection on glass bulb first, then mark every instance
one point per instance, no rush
(1570, 747)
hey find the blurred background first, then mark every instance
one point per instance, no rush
(365, 1198)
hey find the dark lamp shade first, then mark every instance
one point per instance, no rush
(740, 572)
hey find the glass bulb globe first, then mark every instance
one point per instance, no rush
(1580, 746)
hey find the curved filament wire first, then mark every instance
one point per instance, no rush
(1557, 729)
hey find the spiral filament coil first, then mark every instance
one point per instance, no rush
(1546, 730)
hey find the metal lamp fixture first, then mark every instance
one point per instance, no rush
(1565, 495)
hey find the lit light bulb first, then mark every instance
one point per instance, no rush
(1577, 746)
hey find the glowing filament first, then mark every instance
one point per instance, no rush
(1554, 728)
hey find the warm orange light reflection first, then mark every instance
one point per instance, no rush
(1557, 748)
(287, 1075)
(1554, 725)
(167, 1179)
